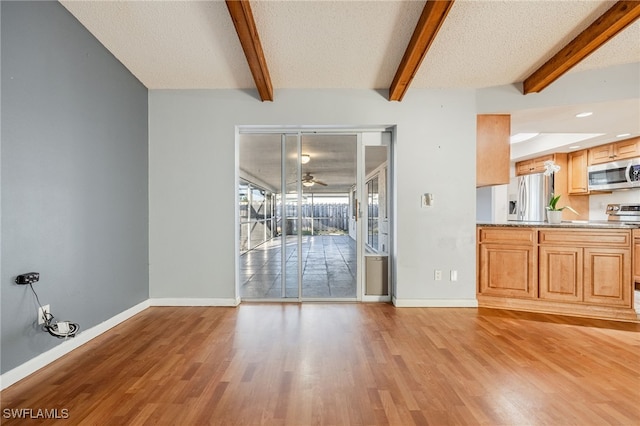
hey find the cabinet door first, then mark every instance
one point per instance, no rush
(524, 167)
(601, 154)
(561, 273)
(578, 172)
(627, 149)
(607, 279)
(507, 270)
(538, 163)
(493, 150)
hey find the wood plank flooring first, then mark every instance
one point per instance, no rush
(342, 364)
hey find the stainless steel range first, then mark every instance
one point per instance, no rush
(623, 212)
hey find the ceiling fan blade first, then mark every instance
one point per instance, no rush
(319, 182)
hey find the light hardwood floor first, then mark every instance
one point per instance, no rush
(355, 364)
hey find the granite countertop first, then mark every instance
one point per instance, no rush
(595, 224)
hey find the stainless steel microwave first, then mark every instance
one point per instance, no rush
(623, 174)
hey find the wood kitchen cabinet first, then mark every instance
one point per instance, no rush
(493, 150)
(636, 256)
(629, 148)
(565, 270)
(506, 262)
(577, 171)
(601, 258)
(607, 274)
(535, 165)
(561, 273)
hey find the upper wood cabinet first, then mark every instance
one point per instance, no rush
(622, 150)
(535, 165)
(493, 151)
(577, 171)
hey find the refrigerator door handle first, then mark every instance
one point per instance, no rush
(523, 199)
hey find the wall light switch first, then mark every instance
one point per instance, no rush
(427, 200)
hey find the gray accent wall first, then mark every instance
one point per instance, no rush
(74, 178)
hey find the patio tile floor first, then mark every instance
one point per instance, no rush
(329, 268)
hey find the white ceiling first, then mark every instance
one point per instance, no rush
(359, 44)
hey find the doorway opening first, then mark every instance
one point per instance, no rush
(314, 213)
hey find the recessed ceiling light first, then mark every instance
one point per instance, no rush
(584, 114)
(521, 137)
(623, 135)
(574, 147)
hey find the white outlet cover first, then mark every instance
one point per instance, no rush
(63, 327)
(46, 309)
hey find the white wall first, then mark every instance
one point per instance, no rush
(192, 185)
(600, 85)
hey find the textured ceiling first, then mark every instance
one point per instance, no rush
(492, 43)
(359, 44)
(344, 44)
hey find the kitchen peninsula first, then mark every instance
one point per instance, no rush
(573, 268)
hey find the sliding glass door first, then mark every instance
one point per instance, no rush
(303, 198)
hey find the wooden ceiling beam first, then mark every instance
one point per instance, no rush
(614, 20)
(242, 17)
(431, 19)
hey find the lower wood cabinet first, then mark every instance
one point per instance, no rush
(567, 271)
(561, 273)
(507, 270)
(636, 256)
(602, 277)
(507, 262)
(607, 276)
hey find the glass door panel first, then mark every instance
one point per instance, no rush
(376, 223)
(312, 207)
(291, 188)
(328, 249)
(260, 165)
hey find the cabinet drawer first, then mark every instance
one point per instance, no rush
(507, 236)
(586, 238)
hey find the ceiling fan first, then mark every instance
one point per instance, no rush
(308, 180)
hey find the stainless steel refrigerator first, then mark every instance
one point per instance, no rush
(529, 196)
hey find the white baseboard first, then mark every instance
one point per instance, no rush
(185, 301)
(368, 298)
(435, 303)
(45, 358)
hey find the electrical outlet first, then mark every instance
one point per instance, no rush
(41, 313)
(437, 275)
